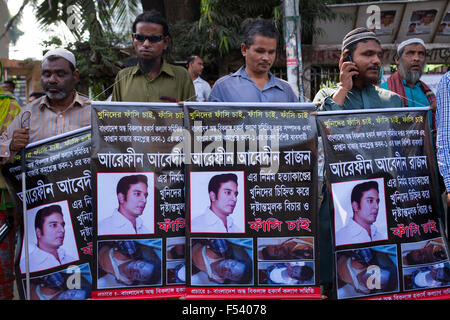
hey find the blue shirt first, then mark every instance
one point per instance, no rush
(239, 87)
(416, 97)
(370, 97)
(443, 128)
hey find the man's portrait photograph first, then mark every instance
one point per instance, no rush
(424, 252)
(286, 273)
(51, 238)
(217, 202)
(125, 203)
(73, 283)
(427, 276)
(367, 271)
(221, 261)
(359, 211)
(129, 263)
(286, 248)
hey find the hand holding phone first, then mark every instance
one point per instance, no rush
(345, 69)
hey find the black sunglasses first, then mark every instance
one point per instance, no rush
(153, 38)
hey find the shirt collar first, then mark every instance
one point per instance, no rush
(243, 74)
(212, 219)
(373, 228)
(45, 102)
(416, 85)
(119, 220)
(165, 67)
(44, 255)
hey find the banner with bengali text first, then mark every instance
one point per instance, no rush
(138, 192)
(251, 201)
(58, 217)
(384, 205)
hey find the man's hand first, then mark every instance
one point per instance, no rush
(348, 69)
(19, 140)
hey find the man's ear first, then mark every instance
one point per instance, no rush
(397, 60)
(38, 233)
(243, 49)
(355, 206)
(212, 196)
(120, 198)
(166, 42)
(76, 75)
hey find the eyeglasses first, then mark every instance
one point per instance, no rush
(153, 38)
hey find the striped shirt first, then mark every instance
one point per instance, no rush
(46, 122)
(443, 128)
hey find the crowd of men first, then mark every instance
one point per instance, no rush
(61, 108)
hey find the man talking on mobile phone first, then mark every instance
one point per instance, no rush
(360, 67)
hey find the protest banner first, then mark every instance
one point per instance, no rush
(384, 205)
(58, 220)
(251, 201)
(138, 193)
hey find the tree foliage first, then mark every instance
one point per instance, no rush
(101, 29)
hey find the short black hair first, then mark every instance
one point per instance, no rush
(259, 27)
(358, 190)
(216, 181)
(11, 83)
(152, 16)
(306, 273)
(191, 59)
(124, 183)
(45, 212)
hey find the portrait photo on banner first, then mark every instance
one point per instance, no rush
(125, 203)
(217, 202)
(73, 283)
(51, 238)
(423, 252)
(286, 273)
(285, 248)
(129, 263)
(175, 254)
(367, 271)
(221, 261)
(359, 206)
(427, 277)
(291, 261)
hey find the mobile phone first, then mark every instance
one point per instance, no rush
(349, 58)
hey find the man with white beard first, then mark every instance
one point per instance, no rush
(62, 109)
(410, 60)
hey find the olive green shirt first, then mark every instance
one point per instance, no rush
(172, 81)
(370, 97)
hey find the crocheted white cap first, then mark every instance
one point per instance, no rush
(408, 42)
(63, 53)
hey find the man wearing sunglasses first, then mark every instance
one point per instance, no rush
(152, 79)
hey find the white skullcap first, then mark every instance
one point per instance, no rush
(408, 42)
(63, 53)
